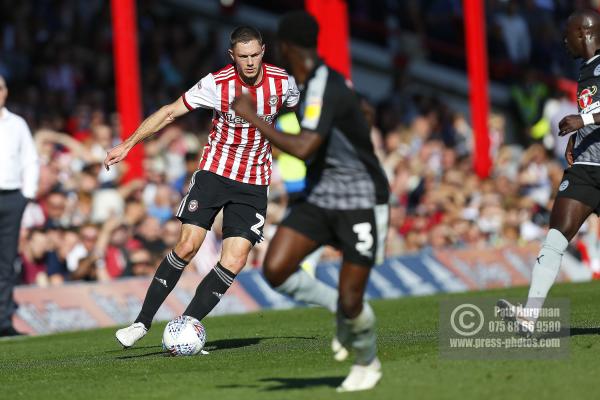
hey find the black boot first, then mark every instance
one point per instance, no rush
(10, 331)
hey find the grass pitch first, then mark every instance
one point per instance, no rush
(285, 355)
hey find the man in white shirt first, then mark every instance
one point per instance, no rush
(19, 173)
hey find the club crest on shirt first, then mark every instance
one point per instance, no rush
(586, 96)
(273, 100)
(597, 70)
(193, 206)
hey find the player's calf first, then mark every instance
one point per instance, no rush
(359, 334)
(166, 277)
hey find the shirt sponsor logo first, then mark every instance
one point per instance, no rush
(312, 114)
(241, 121)
(591, 108)
(586, 96)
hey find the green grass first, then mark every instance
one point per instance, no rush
(285, 355)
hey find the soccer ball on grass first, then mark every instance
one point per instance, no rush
(184, 336)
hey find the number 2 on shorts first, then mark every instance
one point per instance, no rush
(256, 227)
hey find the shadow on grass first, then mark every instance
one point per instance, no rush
(225, 344)
(302, 383)
(566, 332)
(214, 345)
(154, 353)
(133, 348)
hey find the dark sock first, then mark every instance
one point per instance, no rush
(209, 292)
(166, 277)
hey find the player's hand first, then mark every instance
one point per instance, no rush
(569, 150)
(569, 124)
(116, 154)
(243, 105)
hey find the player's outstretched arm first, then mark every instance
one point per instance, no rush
(572, 123)
(301, 146)
(154, 123)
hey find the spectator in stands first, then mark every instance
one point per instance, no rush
(515, 33)
(34, 257)
(65, 93)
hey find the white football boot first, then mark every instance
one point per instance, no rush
(362, 377)
(128, 336)
(510, 313)
(340, 353)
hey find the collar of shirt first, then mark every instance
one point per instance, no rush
(592, 59)
(311, 74)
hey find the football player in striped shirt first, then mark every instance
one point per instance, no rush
(233, 174)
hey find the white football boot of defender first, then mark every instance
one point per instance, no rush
(128, 336)
(362, 377)
(340, 353)
(524, 327)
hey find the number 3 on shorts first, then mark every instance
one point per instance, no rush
(256, 227)
(365, 238)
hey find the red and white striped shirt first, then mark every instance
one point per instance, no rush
(236, 149)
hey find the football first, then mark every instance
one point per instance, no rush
(184, 336)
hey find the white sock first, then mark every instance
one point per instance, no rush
(301, 287)
(546, 269)
(360, 334)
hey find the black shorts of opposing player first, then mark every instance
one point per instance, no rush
(582, 183)
(244, 205)
(360, 233)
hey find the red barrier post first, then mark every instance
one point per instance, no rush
(127, 77)
(334, 43)
(477, 67)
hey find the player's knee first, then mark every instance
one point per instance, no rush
(234, 260)
(350, 302)
(186, 249)
(567, 229)
(272, 271)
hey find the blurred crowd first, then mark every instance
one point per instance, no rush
(519, 32)
(85, 224)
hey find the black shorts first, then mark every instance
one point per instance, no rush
(244, 205)
(359, 234)
(582, 183)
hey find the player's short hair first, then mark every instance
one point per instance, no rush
(299, 28)
(244, 34)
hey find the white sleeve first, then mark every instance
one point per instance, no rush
(75, 255)
(30, 165)
(292, 96)
(202, 94)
